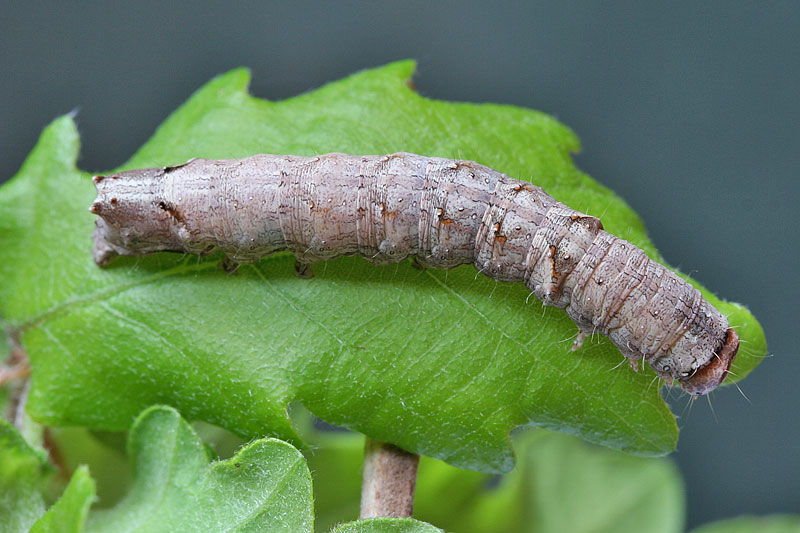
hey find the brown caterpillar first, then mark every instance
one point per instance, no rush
(444, 213)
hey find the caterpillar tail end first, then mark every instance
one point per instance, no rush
(713, 374)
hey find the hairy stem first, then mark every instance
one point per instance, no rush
(390, 477)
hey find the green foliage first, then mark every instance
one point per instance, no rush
(103, 454)
(560, 484)
(441, 363)
(24, 472)
(69, 513)
(266, 486)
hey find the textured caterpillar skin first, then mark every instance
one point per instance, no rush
(444, 213)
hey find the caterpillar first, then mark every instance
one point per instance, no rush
(442, 212)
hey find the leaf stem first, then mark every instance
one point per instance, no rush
(390, 477)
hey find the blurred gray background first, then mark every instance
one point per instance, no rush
(690, 112)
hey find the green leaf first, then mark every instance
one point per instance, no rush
(440, 363)
(69, 512)
(386, 525)
(560, 484)
(266, 486)
(749, 524)
(24, 472)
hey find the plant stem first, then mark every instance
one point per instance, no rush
(390, 477)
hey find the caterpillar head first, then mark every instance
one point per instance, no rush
(713, 373)
(132, 219)
(699, 354)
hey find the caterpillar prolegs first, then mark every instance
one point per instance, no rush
(442, 212)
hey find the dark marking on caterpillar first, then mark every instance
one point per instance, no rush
(441, 212)
(167, 207)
